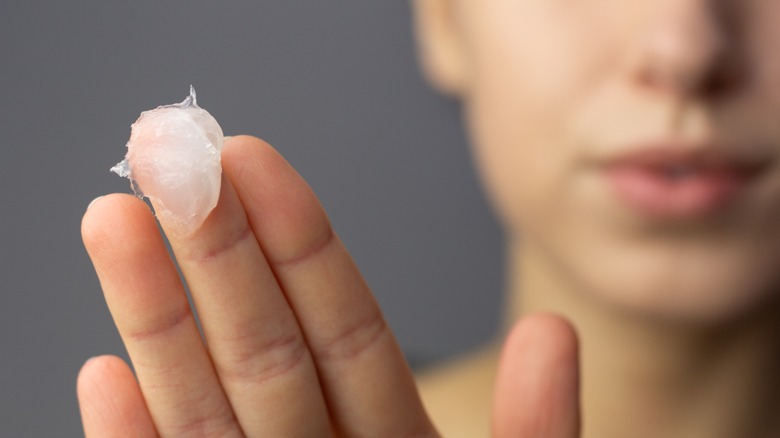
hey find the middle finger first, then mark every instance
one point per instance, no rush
(254, 339)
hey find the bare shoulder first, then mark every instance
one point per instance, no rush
(458, 395)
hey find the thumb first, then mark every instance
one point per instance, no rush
(537, 388)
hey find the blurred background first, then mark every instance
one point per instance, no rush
(333, 85)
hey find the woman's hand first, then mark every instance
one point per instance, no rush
(294, 344)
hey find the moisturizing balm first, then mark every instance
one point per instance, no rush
(173, 158)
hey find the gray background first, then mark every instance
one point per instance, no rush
(333, 85)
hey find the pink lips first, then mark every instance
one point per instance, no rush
(669, 183)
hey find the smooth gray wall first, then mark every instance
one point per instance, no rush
(333, 85)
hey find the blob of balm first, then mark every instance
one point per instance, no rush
(173, 158)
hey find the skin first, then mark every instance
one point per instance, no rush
(675, 321)
(676, 318)
(580, 85)
(294, 339)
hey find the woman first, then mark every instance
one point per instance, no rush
(631, 151)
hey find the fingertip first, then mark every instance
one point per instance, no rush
(110, 400)
(544, 333)
(103, 210)
(249, 155)
(94, 382)
(111, 216)
(537, 389)
(95, 372)
(93, 202)
(283, 210)
(238, 148)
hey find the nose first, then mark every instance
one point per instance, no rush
(690, 49)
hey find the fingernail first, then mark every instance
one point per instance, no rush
(93, 202)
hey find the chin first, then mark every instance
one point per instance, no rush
(683, 285)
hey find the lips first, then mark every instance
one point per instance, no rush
(673, 182)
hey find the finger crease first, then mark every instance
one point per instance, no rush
(162, 327)
(220, 423)
(319, 245)
(225, 246)
(356, 339)
(260, 363)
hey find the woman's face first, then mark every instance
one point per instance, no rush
(635, 145)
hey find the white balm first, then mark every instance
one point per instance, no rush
(173, 158)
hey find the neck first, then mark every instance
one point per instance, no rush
(658, 378)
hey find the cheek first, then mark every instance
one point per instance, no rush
(522, 100)
(764, 39)
(518, 164)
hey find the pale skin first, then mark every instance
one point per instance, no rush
(295, 343)
(653, 328)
